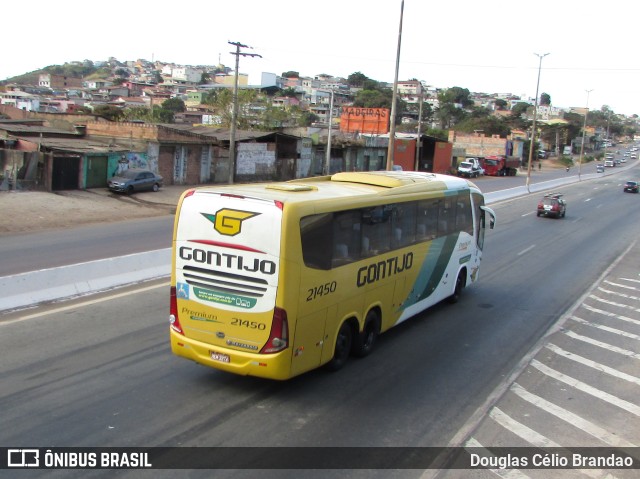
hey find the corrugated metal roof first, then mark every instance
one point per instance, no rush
(220, 134)
(16, 129)
(77, 145)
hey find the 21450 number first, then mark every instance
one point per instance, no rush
(321, 290)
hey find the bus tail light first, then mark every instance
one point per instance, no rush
(174, 322)
(279, 335)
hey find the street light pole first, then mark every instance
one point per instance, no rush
(584, 130)
(234, 111)
(535, 117)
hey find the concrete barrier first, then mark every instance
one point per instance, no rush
(34, 287)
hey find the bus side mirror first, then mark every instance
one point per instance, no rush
(492, 216)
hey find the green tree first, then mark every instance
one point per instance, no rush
(373, 99)
(545, 99)
(357, 80)
(109, 112)
(448, 114)
(289, 92)
(175, 105)
(489, 125)
(456, 95)
(222, 102)
(500, 104)
(307, 118)
(290, 74)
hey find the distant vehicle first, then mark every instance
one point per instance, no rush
(553, 205)
(630, 187)
(599, 168)
(470, 168)
(501, 165)
(542, 154)
(609, 163)
(135, 179)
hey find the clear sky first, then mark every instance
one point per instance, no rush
(485, 46)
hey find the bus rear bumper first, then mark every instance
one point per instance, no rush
(270, 366)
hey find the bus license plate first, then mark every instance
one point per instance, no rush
(223, 358)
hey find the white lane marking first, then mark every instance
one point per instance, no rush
(534, 438)
(526, 250)
(607, 328)
(621, 295)
(610, 315)
(82, 304)
(593, 364)
(586, 388)
(525, 432)
(603, 345)
(624, 286)
(571, 418)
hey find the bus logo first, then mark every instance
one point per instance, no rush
(229, 222)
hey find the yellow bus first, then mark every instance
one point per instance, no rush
(273, 280)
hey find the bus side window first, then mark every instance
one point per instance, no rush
(376, 226)
(346, 237)
(446, 216)
(427, 216)
(464, 220)
(404, 224)
(316, 232)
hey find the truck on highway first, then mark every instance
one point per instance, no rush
(501, 165)
(470, 168)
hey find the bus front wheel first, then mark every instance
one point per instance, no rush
(460, 284)
(342, 348)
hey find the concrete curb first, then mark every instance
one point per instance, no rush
(34, 287)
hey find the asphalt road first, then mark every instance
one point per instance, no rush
(30, 252)
(99, 372)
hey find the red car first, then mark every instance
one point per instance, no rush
(552, 204)
(630, 187)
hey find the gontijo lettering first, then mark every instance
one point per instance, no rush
(382, 269)
(228, 260)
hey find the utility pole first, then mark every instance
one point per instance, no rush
(535, 117)
(392, 120)
(584, 130)
(327, 161)
(417, 162)
(234, 112)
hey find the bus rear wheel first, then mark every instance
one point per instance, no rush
(342, 348)
(363, 343)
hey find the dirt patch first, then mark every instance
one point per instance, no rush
(32, 211)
